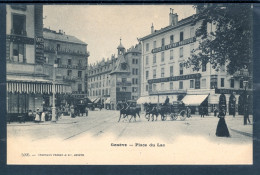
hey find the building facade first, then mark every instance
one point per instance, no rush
(117, 79)
(164, 74)
(29, 80)
(71, 56)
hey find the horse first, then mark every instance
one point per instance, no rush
(122, 112)
(148, 110)
(132, 111)
(160, 110)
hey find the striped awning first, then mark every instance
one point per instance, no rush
(36, 87)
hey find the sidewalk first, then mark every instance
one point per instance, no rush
(62, 120)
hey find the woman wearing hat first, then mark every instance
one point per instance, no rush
(37, 116)
(222, 129)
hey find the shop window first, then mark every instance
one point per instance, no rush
(146, 88)
(154, 87)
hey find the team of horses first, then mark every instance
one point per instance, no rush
(152, 110)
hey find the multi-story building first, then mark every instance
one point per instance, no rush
(117, 79)
(71, 56)
(164, 74)
(29, 80)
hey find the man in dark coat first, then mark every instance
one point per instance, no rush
(166, 102)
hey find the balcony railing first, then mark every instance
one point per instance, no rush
(66, 51)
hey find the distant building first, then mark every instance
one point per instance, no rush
(29, 80)
(116, 80)
(163, 73)
(71, 56)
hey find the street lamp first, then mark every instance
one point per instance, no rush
(245, 84)
(53, 119)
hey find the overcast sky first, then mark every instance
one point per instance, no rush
(101, 26)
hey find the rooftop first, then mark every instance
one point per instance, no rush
(61, 36)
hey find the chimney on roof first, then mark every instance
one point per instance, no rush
(152, 28)
(173, 18)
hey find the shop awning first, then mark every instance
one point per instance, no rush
(107, 100)
(194, 100)
(97, 100)
(143, 100)
(37, 87)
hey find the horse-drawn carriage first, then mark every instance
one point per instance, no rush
(174, 110)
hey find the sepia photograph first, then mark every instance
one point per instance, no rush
(152, 84)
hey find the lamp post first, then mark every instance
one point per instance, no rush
(53, 119)
(245, 84)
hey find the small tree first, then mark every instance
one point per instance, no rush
(230, 43)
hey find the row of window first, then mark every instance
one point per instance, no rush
(98, 77)
(69, 61)
(192, 84)
(163, 72)
(69, 73)
(171, 55)
(192, 34)
(99, 92)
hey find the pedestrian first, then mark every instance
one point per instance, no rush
(43, 117)
(222, 129)
(247, 114)
(215, 111)
(37, 116)
(202, 111)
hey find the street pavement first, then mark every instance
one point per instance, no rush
(104, 122)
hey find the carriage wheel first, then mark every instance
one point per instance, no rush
(174, 116)
(183, 115)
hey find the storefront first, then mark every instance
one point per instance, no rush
(29, 94)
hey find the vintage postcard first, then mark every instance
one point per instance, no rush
(129, 84)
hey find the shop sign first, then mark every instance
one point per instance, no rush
(173, 45)
(20, 39)
(39, 47)
(175, 78)
(230, 91)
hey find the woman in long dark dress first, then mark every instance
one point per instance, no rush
(222, 129)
